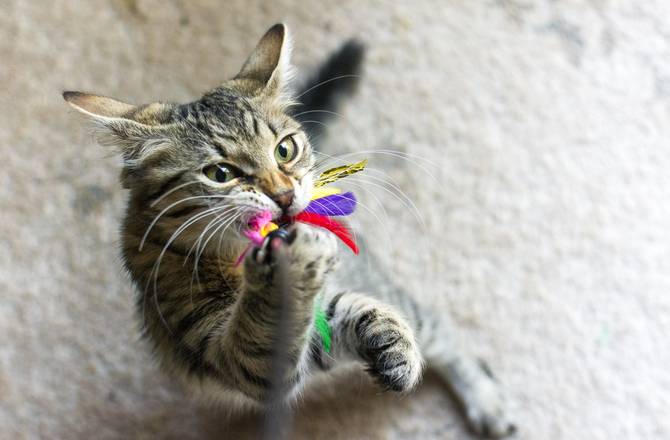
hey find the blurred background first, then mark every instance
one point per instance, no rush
(547, 216)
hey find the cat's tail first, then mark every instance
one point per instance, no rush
(320, 95)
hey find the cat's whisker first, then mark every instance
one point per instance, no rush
(389, 151)
(227, 211)
(196, 246)
(155, 271)
(230, 211)
(172, 205)
(193, 219)
(313, 122)
(374, 213)
(409, 203)
(225, 223)
(171, 191)
(318, 111)
(360, 182)
(396, 188)
(386, 179)
(195, 128)
(399, 194)
(325, 82)
(315, 139)
(218, 251)
(406, 202)
(383, 151)
(334, 160)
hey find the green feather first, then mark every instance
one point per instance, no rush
(322, 326)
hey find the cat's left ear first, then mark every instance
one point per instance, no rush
(269, 63)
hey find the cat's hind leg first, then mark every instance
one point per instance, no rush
(472, 383)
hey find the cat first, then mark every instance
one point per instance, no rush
(196, 173)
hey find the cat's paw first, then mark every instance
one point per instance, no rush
(486, 409)
(388, 347)
(311, 254)
(308, 253)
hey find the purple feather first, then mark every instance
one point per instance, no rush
(333, 205)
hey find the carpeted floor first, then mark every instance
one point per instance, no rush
(545, 125)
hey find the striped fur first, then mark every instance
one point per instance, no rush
(213, 323)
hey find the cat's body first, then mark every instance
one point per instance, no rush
(196, 173)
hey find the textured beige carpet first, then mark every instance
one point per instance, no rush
(547, 222)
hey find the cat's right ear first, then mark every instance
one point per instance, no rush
(108, 111)
(127, 127)
(97, 107)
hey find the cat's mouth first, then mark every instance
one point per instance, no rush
(257, 221)
(259, 225)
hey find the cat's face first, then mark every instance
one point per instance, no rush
(253, 154)
(218, 161)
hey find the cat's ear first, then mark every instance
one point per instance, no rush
(111, 111)
(128, 127)
(98, 107)
(269, 63)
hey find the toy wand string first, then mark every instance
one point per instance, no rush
(277, 422)
(269, 238)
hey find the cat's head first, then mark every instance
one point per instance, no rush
(234, 152)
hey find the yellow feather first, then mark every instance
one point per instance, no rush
(324, 191)
(340, 172)
(267, 228)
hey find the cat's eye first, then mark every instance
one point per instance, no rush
(286, 150)
(220, 173)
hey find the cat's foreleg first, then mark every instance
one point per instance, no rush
(249, 339)
(481, 396)
(364, 329)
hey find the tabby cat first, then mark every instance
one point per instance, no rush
(196, 173)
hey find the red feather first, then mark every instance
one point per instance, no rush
(337, 228)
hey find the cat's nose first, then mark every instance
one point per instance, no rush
(284, 199)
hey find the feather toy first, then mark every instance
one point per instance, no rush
(327, 202)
